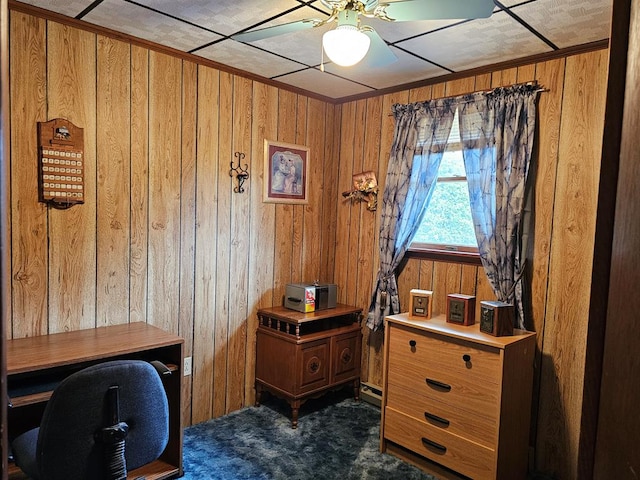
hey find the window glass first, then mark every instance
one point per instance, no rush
(447, 223)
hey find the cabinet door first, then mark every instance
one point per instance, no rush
(313, 365)
(346, 356)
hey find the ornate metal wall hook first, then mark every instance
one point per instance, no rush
(241, 173)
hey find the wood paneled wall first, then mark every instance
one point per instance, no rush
(566, 172)
(162, 237)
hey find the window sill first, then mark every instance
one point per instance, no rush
(470, 258)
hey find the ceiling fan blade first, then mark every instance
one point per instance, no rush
(379, 53)
(269, 32)
(409, 10)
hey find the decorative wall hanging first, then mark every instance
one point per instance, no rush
(60, 163)
(242, 173)
(286, 173)
(365, 189)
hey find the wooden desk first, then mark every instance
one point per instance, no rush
(35, 365)
(300, 355)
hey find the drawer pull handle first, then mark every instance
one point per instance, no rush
(412, 343)
(435, 418)
(466, 357)
(434, 445)
(437, 384)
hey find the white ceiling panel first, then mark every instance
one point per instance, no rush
(129, 18)
(478, 43)
(70, 8)
(249, 59)
(589, 20)
(323, 83)
(222, 16)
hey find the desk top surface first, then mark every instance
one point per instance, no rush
(58, 349)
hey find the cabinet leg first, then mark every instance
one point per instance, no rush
(295, 409)
(356, 389)
(258, 394)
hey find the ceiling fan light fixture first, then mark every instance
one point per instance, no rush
(345, 45)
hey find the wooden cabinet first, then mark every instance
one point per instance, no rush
(457, 397)
(35, 365)
(300, 355)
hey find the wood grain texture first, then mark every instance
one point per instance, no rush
(114, 172)
(262, 226)
(139, 195)
(165, 80)
(618, 422)
(188, 222)
(71, 83)
(286, 124)
(29, 230)
(205, 300)
(239, 255)
(572, 239)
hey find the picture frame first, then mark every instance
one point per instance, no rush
(286, 173)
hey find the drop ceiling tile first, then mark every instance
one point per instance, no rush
(143, 23)
(222, 16)
(590, 20)
(70, 8)
(477, 43)
(304, 46)
(323, 83)
(248, 58)
(407, 69)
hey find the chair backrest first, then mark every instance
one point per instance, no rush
(67, 445)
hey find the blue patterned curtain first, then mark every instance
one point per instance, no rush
(497, 132)
(420, 138)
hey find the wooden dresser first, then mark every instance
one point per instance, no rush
(300, 355)
(457, 397)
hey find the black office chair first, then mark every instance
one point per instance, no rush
(99, 423)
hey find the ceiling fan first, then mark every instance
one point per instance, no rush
(349, 42)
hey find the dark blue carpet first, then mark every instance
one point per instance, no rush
(336, 438)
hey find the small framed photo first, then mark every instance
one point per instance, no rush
(286, 173)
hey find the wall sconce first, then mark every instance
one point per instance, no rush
(241, 173)
(365, 188)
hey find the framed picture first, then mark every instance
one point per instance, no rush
(286, 173)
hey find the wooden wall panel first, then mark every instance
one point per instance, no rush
(29, 231)
(139, 195)
(572, 241)
(284, 212)
(262, 224)
(165, 99)
(205, 299)
(71, 87)
(113, 168)
(188, 221)
(239, 255)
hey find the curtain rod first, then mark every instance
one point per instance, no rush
(490, 90)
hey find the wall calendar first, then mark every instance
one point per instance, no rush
(60, 163)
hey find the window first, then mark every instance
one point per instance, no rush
(447, 225)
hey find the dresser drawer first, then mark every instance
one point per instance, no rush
(480, 427)
(436, 370)
(463, 456)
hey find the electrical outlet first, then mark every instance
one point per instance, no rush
(187, 366)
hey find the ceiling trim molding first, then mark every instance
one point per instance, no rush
(84, 25)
